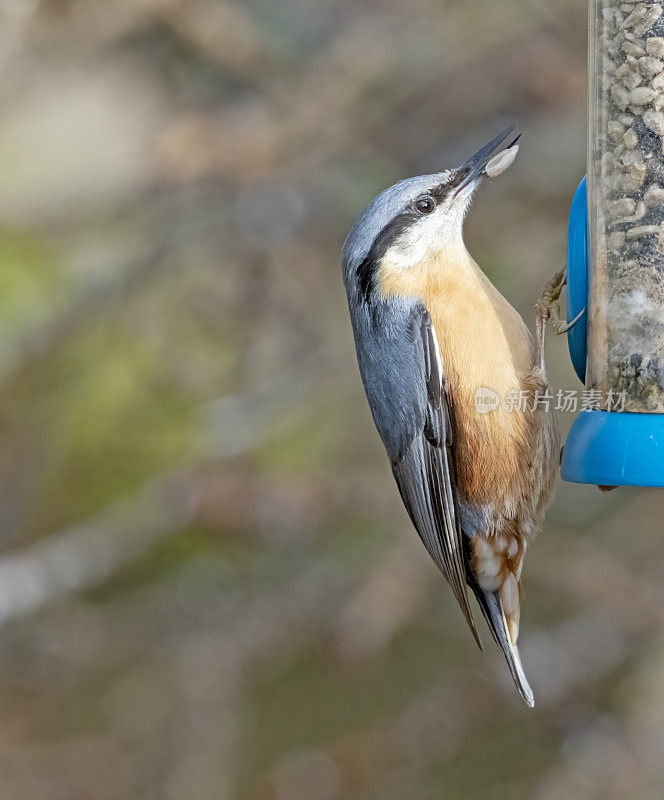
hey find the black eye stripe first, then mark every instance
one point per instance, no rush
(443, 190)
(366, 269)
(455, 181)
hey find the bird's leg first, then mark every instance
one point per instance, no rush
(547, 308)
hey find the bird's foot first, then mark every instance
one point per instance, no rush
(546, 308)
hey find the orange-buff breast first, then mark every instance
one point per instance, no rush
(484, 344)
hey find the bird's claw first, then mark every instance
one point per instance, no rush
(561, 327)
(547, 308)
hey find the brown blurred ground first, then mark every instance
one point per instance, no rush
(208, 587)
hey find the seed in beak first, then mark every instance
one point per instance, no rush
(499, 163)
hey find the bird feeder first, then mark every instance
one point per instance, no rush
(616, 254)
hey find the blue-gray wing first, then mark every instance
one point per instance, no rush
(406, 388)
(425, 476)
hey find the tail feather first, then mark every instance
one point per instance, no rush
(494, 615)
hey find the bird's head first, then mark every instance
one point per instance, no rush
(417, 219)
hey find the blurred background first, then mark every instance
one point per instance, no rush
(208, 586)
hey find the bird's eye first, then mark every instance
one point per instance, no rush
(425, 204)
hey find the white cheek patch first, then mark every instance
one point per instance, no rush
(464, 196)
(410, 247)
(427, 235)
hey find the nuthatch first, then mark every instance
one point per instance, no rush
(432, 335)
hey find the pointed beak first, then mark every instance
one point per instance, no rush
(472, 171)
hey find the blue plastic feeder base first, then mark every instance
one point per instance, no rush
(610, 448)
(607, 448)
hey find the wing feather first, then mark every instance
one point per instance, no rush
(425, 475)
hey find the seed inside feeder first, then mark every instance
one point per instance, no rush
(626, 169)
(499, 163)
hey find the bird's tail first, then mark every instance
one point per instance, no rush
(492, 609)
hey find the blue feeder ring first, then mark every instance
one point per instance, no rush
(577, 280)
(606, 448)
(615, 448)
